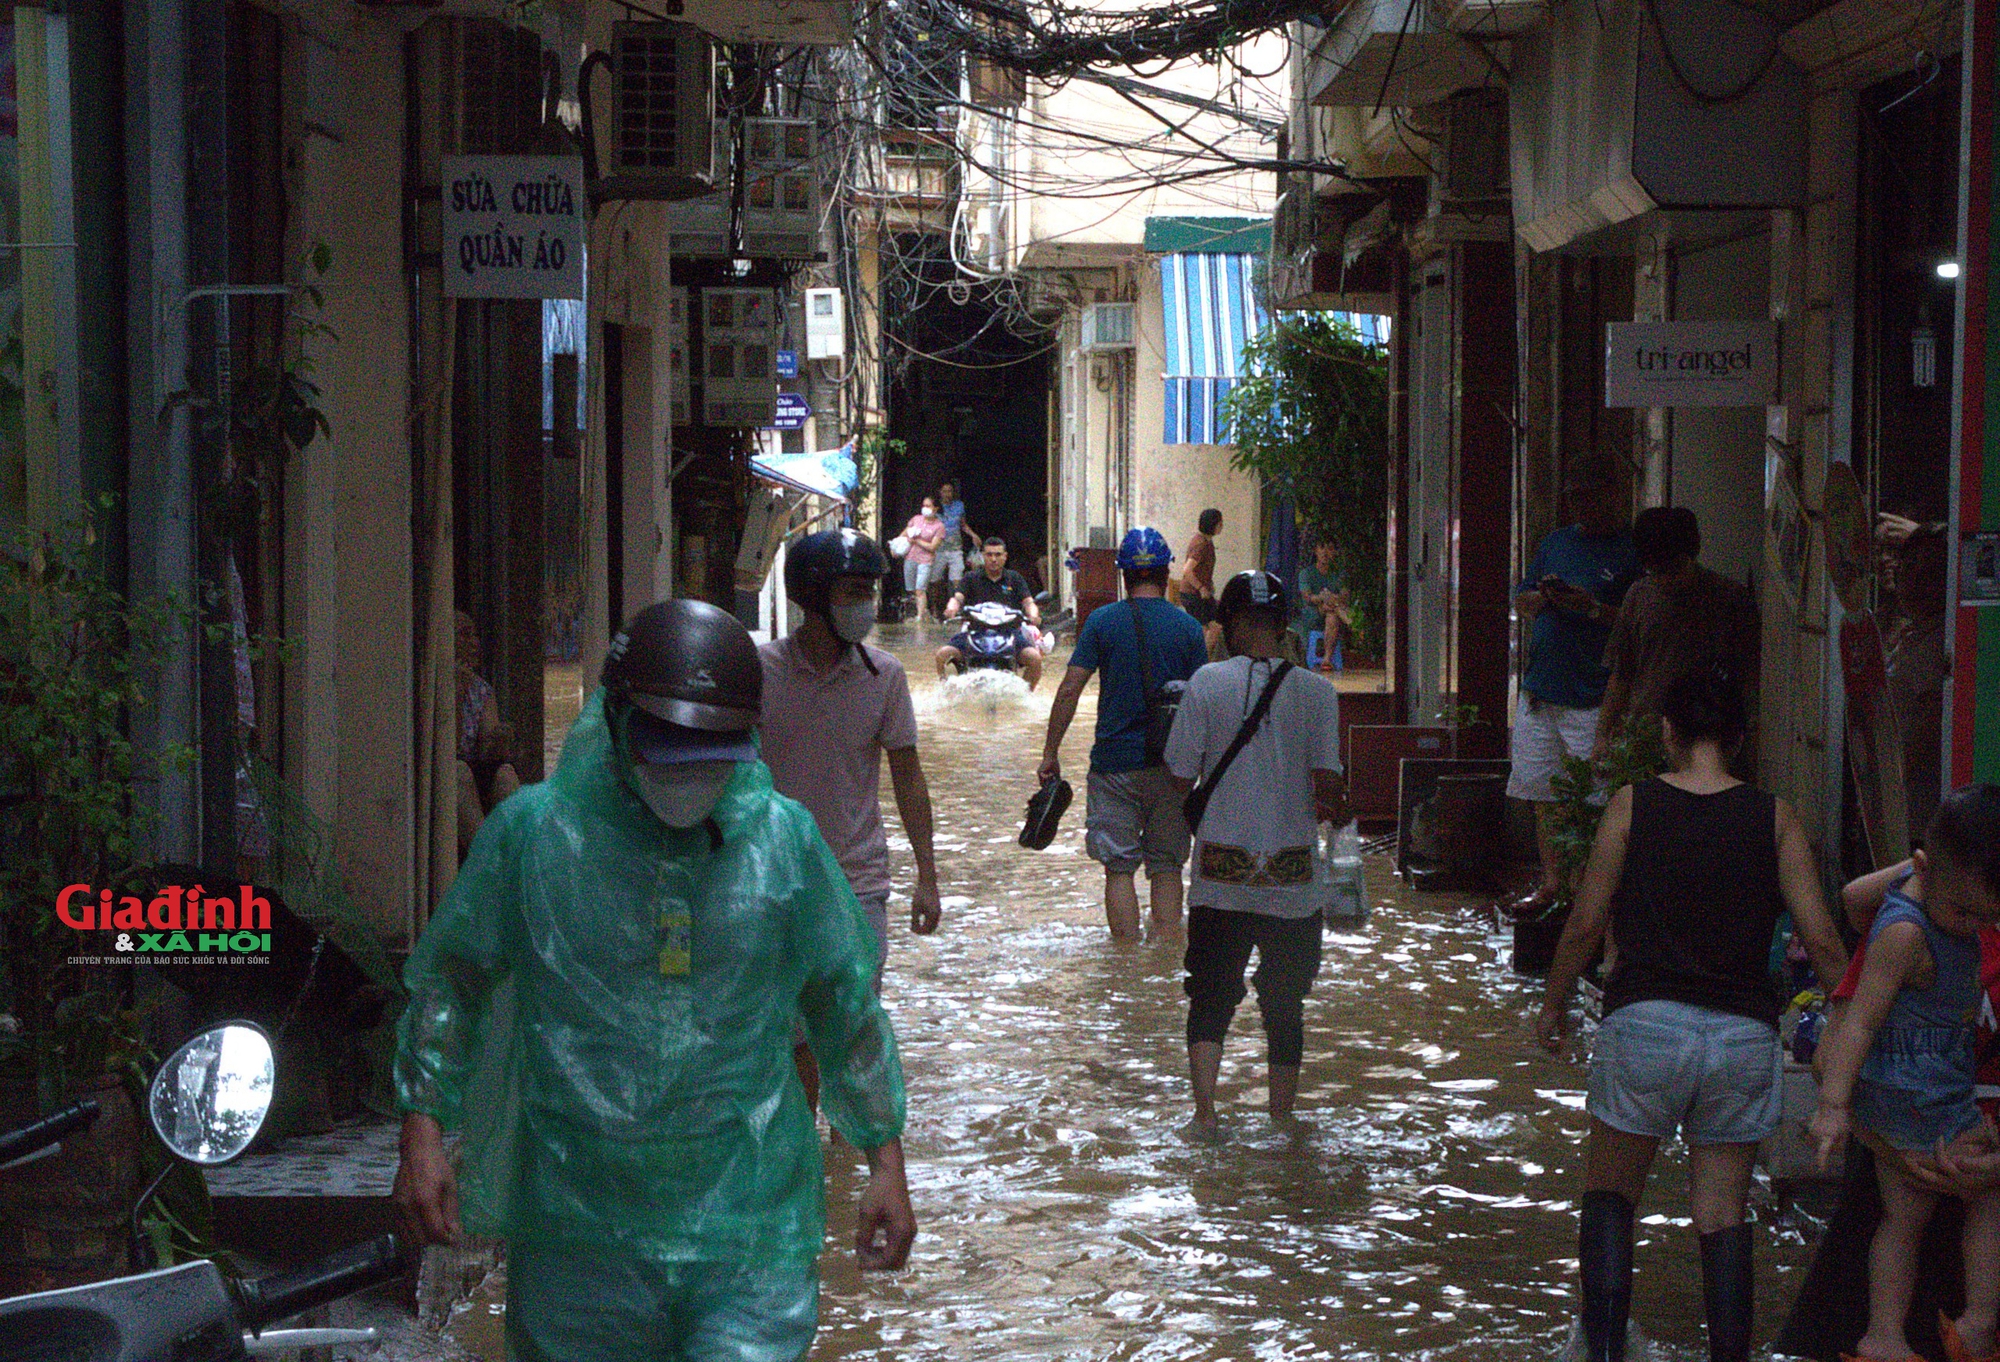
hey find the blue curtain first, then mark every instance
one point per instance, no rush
(1281, 551)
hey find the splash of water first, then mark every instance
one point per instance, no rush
(989, 688)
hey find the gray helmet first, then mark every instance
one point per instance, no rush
(689, 663)
(1252, 589)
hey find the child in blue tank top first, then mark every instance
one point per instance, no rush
(1898, 1065)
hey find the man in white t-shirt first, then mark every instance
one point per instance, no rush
(1254, 887)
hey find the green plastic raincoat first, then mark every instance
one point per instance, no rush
(604, 1006)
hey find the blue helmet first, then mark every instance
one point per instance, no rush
(1144, 547)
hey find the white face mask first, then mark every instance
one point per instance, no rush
(851, 623)
(683, 794)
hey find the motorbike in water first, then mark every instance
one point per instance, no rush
(206, 1104)
(992, 638)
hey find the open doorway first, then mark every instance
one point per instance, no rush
(968, 385)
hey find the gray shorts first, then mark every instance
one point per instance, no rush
(1134, 818)
(876, 906)
(1659, 1067)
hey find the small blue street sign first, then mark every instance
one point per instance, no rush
(792, 412)
(788, 364)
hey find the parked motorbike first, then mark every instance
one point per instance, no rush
(206, 1103)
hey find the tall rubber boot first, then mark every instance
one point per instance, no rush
(1604, 1252)
(1728, 1289)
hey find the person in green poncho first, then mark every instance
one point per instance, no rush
(604, 1007)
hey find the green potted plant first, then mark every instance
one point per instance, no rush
(1634, 754)
(1310, 419)
(72, 652)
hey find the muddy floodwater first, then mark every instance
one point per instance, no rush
(1427, 1212)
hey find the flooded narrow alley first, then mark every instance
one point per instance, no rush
(1427, 1211)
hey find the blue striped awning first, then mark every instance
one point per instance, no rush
(1211, 312)
(1371, 327)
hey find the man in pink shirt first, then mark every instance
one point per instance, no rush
(832, 707)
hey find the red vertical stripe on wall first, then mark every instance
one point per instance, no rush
(1973, 445)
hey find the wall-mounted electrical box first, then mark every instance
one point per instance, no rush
(826, 324)
(738, 371)
(781, 195)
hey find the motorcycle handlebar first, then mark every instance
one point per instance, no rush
(32, 1139)
(336, 1275)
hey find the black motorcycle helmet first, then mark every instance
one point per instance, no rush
(1252, 589)
(688, 663)
(812, 565)
(818, 560)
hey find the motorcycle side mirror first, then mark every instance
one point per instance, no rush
(210, 1098)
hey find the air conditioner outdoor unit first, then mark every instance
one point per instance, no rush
(662, 112)
(1106, 326)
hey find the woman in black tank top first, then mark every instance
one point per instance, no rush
(1690, 872)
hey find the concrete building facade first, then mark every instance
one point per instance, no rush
(1519, 177)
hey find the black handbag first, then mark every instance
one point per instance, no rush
(1162, 704)
(1195, 803)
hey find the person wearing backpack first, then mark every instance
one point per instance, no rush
(1262, 738)
(1146, 649)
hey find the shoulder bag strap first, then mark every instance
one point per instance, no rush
(1145, 667)
(1251, 723)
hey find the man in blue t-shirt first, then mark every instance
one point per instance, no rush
(1133, 814)
(1572, 591)
(951, 553)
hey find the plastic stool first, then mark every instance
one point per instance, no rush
(1315, 641)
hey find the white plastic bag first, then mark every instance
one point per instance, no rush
(899, 546)
(1340, 870)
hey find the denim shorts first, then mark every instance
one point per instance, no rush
(1658, 1067)
(1913, 1120)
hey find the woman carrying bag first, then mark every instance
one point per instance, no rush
(920, 540)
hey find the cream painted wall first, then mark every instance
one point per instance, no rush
(348, 506)
(1059, 151)
(1175, 483)
(1178, 482)
(629, 287)
(1169, 484)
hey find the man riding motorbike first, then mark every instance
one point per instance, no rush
(996, 582)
